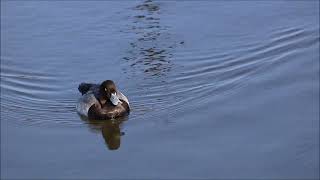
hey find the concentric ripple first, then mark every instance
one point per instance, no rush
(33, 98)
(200, 77)
(162, 71)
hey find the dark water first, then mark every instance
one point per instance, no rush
(218, 89)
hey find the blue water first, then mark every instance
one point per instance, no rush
(218, 89)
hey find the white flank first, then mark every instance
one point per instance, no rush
(85, 102)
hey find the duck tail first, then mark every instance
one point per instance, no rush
(84, 88)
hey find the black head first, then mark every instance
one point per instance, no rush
(108, 91)
(107, 88)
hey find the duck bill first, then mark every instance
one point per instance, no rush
(114, 99)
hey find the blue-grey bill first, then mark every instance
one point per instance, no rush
(114, 99)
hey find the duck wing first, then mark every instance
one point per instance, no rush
(86, 87)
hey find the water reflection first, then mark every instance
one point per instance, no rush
(150, 52)
(112, 134)
(110, 130)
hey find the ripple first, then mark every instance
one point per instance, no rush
(151, 51)
(166, 75)
(33, 98)
(204, 75)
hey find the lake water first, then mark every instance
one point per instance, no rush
(218, 89)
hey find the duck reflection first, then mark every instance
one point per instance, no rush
(151, 51)
(110, 130)
(112, 134)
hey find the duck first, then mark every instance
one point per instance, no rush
(102, 101)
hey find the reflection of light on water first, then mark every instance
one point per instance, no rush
(150, 52)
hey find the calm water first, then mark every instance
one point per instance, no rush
(218, 89)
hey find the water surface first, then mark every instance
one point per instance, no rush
(218, 89)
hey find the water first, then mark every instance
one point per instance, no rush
(218, 89)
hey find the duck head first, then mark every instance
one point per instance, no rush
(108, 91)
